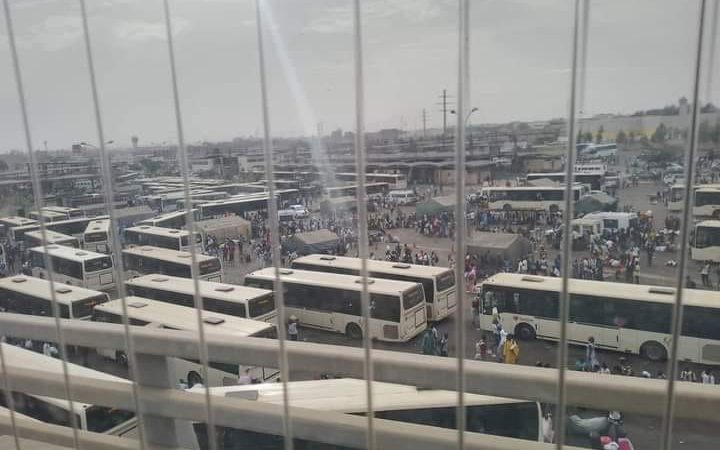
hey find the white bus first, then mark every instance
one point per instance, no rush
(239, 301)
(47, 216)
(153, 313)
(67, 211)
(175, 219)
(593, 178)
(73, 227)
(161, 237)
(519, 419)
(628, 318)
(147, 260)
(332, 302)
(707, 201)
(533, 198)
(35, 239)
(437, 282)
(21, 294)
(6, 223)
(706, 241)
(74, 267)
(56, 411)
(97, 237)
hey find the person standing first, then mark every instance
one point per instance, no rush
(590, 355)
(636, 271)
(476, 311)
(443, 347)
(428, 343)
(705, 274)
(511, 350)
(293, 328)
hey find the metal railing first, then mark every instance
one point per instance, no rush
(158, 405)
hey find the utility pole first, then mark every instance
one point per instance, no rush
(424, 119)
(445, 103)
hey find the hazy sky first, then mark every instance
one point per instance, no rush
(640, 55)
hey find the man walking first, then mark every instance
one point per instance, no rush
(511, 350)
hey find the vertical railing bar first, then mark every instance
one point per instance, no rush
(360, 160)
(584, 30)
(460, 225)
(567, 217)
(190, 227)
(37, 197)
(105, 166)
(665, 443)
(10, 401)
(711, 51)
(274, 229)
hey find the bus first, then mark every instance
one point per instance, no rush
(371, 189)
(594, 179)
(239, 206)
(73, 227)
(331, 302)
(57, 411)
(97, 237)
(707, 201)
(395, 180)
(35, 239)
(74, 267)
(404, 197)
(47, 216)
(69, 212)
(145, 260)
(146, 312)
(706, 241)
(437, 282)
(534, 198)
(629, 318)
(161, 237)
(239, 301)
(6, 223)
(614, 220)
(519, 419)
(175, 219)
(21, 294)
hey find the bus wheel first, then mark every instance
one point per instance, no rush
(353, 331)
(525, 332)
(121, 358)
(654, 351)
(193, 378)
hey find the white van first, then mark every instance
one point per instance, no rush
(615, 221)
(403, 197)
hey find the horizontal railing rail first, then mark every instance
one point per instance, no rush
(591, 390)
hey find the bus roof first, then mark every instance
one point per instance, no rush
(70, 253)
(709, 224)
(640, 292)
(348, 395)
(170, 215)
(60, 209)
(531, 188)
(98, 225)
(21, 359)
(17, 221)
(208, 289)
(349, 282)
(53, 237)
(38, 287)
(158, 231)
(373, 265)
(166, 254)
(609, 215)
(183, 317)
(555, 174)
(367, 185)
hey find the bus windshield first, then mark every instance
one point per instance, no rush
(96, 264)
(95, 237)
(261, 306)
(707, 237)
(445, 280)
(101, 419)
(210, 266)
(85, 307)
(413, 297)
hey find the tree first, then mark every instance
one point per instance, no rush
(704, 132)
(587, 137)
(149, 166)
(621, 137)
(3, 166)
(631, 136)
(599, 134)
(579, 138)
(660, 134)
(134, 141)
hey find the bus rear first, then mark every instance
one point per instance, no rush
(706, 241)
